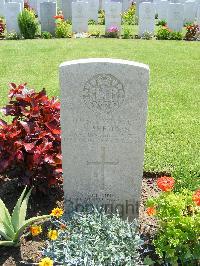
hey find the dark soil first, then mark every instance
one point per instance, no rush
(29, 250)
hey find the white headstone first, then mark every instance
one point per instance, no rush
(12, 10)
(103, 120)
(17, 1)
(189, 11)
(2, 8)
(138, 2)
(47, 12)
(146, 18)
(125, 5)
(93, 8)
(42, 1)
(80, 16)
(33, 5)
(162, 9)
(66, 7)
(175, 16)
(113, 12)
(198, 16)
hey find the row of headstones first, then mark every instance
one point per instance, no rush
(189, 9)
(175, 15)
(80, 12)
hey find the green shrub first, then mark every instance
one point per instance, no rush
(176, 35)
(95, 33)
(95, 239)
(161, 23)
(127, 33)
(28, 24)
(102, 17)
(178, 217)
(62, 30)
(13, 36)
(163, 33)
(46, 35)
(128, 17)
(91, 22)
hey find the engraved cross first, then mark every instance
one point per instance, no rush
(102, 164)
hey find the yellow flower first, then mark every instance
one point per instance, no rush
(57, 212)
(53, 234)
(35, 230)
(46, 262)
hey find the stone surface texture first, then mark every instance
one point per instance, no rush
(103, 120)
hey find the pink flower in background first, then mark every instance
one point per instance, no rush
(113, 29)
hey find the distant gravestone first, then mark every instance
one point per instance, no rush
(12, 10)
(113, 12)
(198, 16)
(66, 7)
(138, 2)
(146, 18)
(80, 16)
(47, 12)
(43, 1)
(125, 5)
(189, 11)
(33, 5)
(162, 9)
(2, 8)
(18, 1)
(175, 16)
(93, 8)
(103, 120)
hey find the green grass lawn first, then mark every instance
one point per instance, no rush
(173, 132)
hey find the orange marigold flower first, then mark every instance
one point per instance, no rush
(166, 183)
(57, 212)
(46, 262)
(35, 230)
(53, 234)
(151, 211)
(196, 197)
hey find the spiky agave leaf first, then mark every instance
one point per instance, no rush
(15, 215)
(23, 209)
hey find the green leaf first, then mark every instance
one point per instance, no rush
(27, 223)
(5, 215)
(23, 208)
(148, 261)
(3, 232)
(7, 243)
(16, 211)
(9, 231)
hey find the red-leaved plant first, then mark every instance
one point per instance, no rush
(2, 27)
(30, 147)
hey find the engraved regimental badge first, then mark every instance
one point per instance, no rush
(104, 93)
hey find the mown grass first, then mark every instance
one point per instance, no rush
(173, 132)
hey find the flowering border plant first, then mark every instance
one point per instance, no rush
(178, 217)
(112, 32)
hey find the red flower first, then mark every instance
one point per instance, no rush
(151, 211)
(196, 197)
(59, 17)
(165, 183)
